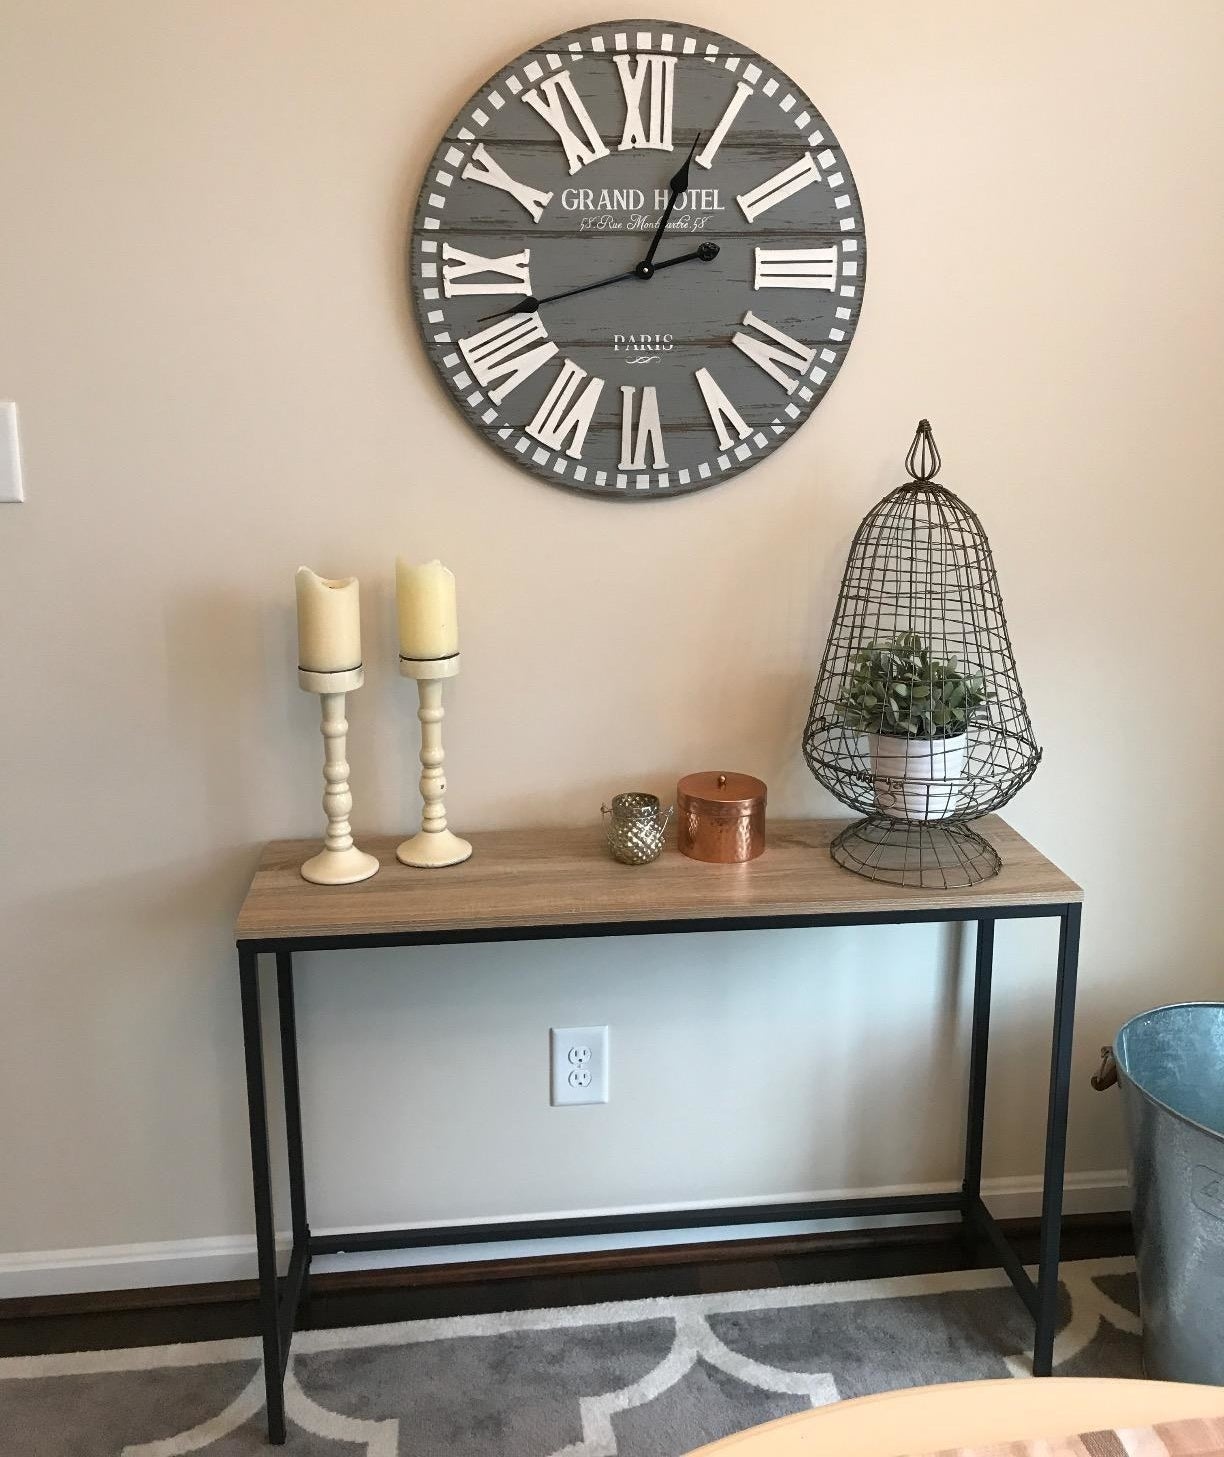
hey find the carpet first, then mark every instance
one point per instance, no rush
(646, 1378)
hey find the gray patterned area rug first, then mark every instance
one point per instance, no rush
(647, 1378)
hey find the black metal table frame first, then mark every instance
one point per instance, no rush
(280, 1296)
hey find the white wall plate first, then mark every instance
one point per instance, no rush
(578, 1058)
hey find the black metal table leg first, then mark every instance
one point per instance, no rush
(293, 1101)
(265, 1229)
(1056, 1140)
(975, 1119)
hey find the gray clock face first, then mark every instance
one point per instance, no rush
(679, 357)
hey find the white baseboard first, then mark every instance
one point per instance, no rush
(232, 1257)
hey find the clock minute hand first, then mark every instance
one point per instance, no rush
(531, 304)
(679, 184)
(706, 252)
(586, 287)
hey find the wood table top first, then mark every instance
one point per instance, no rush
(556, 878)
(969, 1417)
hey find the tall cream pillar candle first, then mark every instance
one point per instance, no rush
(428, 623)
(329, 623)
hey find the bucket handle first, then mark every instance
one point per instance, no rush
(1107, 1074)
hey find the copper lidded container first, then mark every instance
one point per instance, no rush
(721, 817)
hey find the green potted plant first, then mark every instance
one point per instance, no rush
(915, 710)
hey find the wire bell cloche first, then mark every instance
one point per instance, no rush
(918, 719)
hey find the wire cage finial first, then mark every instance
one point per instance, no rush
(923, 461)
(918, 720)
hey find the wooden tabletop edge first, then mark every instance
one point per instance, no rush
(775, 889)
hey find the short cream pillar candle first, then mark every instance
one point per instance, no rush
(329, 623)
(329, 664)
(428, 621)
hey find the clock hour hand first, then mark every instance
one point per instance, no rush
(679, 184)
(529, 305)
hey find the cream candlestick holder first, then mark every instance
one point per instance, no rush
(339, 862)
(433, 846)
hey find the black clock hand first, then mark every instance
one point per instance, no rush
(530, 304)
(679, 184)
(707, 252)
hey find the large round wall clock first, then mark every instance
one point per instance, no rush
(638, 259)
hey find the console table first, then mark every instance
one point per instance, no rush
(527, 885)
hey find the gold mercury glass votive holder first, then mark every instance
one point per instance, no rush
(635, 829)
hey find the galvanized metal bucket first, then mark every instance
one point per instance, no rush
(1171, 1068)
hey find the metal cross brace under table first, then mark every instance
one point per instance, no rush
(527, 885)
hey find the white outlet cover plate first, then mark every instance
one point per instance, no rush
(10, 454)
(578, 1062)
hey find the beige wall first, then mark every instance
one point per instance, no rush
(203, 319)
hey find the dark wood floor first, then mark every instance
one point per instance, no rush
(213, 1312)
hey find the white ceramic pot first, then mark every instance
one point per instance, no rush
(917, 779)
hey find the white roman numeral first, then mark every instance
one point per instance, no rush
(796, 268)
(634, 73)
(649, 431)
(787, 182)
(505, 351)
(458, 265)
(561, 415)
(482, 168)
(557, 91)
(722, 411)
(705, 157)
(771, 357)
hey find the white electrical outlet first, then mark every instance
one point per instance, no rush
(10, 454)
(578, 1057)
